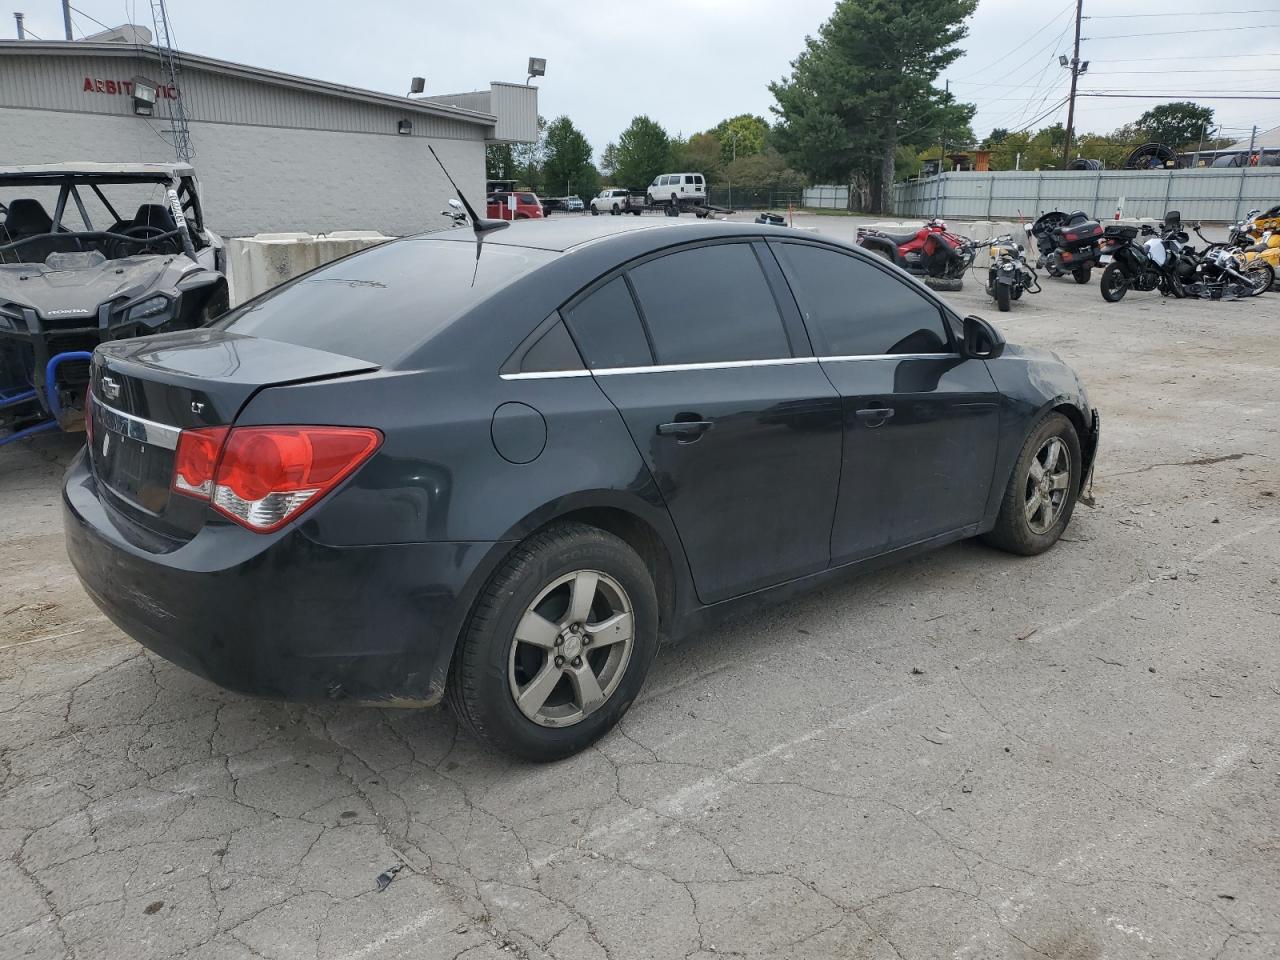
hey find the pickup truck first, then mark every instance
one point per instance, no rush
(615, 201)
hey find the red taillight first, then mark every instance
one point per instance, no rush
(263, 477)
(195, 460)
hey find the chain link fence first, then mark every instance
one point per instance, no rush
(748, 197)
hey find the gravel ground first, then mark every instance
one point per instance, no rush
(969, 756)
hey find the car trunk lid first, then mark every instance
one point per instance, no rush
(147, 391)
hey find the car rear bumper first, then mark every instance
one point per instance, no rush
(279, 616)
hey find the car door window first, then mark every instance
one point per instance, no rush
(853, 308)
(607, 328)
(710, 304)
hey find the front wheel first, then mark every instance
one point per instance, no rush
(1082, 274)
(1114, 283)
(1041, 494)
(595, 212)
(1003, 297)
(558, 644)
(1261, 274)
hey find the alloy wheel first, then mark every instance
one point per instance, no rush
(1048, 485)
(571, 648)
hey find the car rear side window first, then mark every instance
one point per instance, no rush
(380, 304)
(552, 351)
(607, 328)
(710, 304)
(528, 198)
(853, 308)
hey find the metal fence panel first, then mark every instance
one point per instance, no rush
(1207, 194)
(826, 197)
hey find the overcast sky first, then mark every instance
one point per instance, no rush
(703, 60)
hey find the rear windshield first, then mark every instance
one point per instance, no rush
(380, 304)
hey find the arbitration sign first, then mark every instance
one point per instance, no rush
(125, 88)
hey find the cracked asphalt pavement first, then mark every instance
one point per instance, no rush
(969, 756)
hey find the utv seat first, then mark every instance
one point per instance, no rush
(28, 218)
(155, 215)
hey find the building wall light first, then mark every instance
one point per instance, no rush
(404, 127)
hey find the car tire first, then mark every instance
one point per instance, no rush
(493, 665)
(595, 212)
(1020, 528)
(615, 211)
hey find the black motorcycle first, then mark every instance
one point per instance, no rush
(1067, 243)
(1166, 261)
(1009, 275)
(1138, 258)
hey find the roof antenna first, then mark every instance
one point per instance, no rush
(480, 225)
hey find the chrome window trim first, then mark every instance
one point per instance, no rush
(137, 428)
(721, 365)
(544, 374)
(892, 356)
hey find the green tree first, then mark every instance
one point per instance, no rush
(865, 85)
(644, 152)
(701, 153)
(609, 161)
(997, 136)
(529, 158)
(499, 162)
(1178, 124)
(740, 136)
(567, 165)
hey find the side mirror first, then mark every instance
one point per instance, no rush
(982, 341)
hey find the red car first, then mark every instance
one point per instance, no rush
(528, 206)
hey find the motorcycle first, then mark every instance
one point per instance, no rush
(1258, 237)
(1136, 264)
(1167, 261)
(1067, 243)
(932, 253)
(456, 214)
(1009, 275)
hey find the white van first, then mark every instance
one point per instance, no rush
(678, 187)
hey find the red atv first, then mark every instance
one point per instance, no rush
(932, 253)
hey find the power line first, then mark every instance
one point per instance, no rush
(87, 17)
(1021, 46)
(1186, 13)
(1163, 96)
(1167, 33)
(1225, 56)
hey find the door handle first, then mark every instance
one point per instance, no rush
(875, 416)
(685, 431)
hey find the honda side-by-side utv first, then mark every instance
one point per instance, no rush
(91, 252)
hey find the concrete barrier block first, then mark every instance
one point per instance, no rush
(256, 264)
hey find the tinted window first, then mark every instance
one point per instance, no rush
(554, 350)
(607, 328)
(528, 198)
(710, 304)
(688, 179)
(854, 309)
(380, 304)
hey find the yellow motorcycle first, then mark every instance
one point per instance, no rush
(1258, 237)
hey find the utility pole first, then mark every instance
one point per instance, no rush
(66, 17)
(1075, 75)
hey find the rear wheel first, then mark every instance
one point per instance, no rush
(1114, 283)
(594, 211)
(615, 210)
(1082, 274)
(1041, 494)
(943, 284)
(1003, 297)
(558, 644)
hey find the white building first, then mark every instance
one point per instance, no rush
(273, 152)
